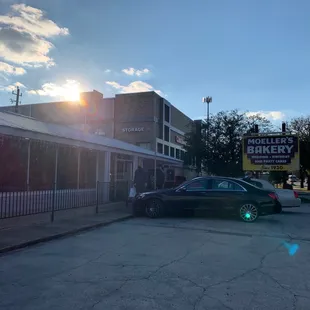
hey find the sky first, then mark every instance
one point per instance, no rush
(248, 55)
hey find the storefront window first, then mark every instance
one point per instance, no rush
(167, 113)
(182, 155)
(166, 133)
(160, 132)
(161, 109)
(159, 148)
(167, 150)
(145, 145)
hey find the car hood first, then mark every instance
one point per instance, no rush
(160, 191)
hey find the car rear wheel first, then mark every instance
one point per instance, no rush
(248, 212)
(154, 208)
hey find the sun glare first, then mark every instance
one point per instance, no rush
(72, 91)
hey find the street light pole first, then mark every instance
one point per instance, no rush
(155, 142)
(155, 159)
(207, 100)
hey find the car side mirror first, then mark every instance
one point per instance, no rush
(182, 189)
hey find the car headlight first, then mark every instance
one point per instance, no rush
(140, 196)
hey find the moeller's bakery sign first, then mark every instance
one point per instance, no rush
(275, 153)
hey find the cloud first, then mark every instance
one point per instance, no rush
(70, 90)
(134, 87)
(133, 71)
(8, 69)
(32, 20)
(271, 115)
(107, 71)
(12, 87)
(23, 38)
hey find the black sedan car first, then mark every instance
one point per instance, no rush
(217, 194)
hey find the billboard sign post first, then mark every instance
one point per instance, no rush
(270, 152)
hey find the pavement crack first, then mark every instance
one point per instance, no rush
(219, 301)
(175, 260)
(239, 276)
(294, 295)
(167, 264)
(109, 294)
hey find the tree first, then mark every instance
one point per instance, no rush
(195, 146)
(277, 177)
(226, 129)
(264, 125)
(301, 126)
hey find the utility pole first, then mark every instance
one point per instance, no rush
(155, 141)
(256, 132)
(284, 173)
(208, 100)
(18, 94)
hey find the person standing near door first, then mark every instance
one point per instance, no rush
(140, 180)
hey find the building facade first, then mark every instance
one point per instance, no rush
(152, 122)
(143, 119)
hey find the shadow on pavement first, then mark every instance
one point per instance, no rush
(267, 219)
(292, 213)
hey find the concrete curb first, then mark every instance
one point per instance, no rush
(61, 235)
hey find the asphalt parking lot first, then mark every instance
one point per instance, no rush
(171, 263)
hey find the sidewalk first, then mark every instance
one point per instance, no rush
(17, 233)
(301, 191)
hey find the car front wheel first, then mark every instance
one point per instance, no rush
(154, 208)
(248, 212)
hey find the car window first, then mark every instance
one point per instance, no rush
(268, 185)
(256, 183)
(249, 183)
(262, 184)
(226, 185)
(197, 186)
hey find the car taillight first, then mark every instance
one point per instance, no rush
(295, 194)
(273, 196)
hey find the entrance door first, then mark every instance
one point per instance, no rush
(123, 178)
(124, 170)
(128, 173)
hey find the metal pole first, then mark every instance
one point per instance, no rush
(97, 182)
(97, 197)
(208, 126)
(155, 142)
(28, 165)
(78, 168)
(208, 100)
(155, 161)
(55, 185)
(97, 166)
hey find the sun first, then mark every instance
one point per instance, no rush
(71, 90)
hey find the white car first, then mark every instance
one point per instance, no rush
(287, 197)
(292, 179)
